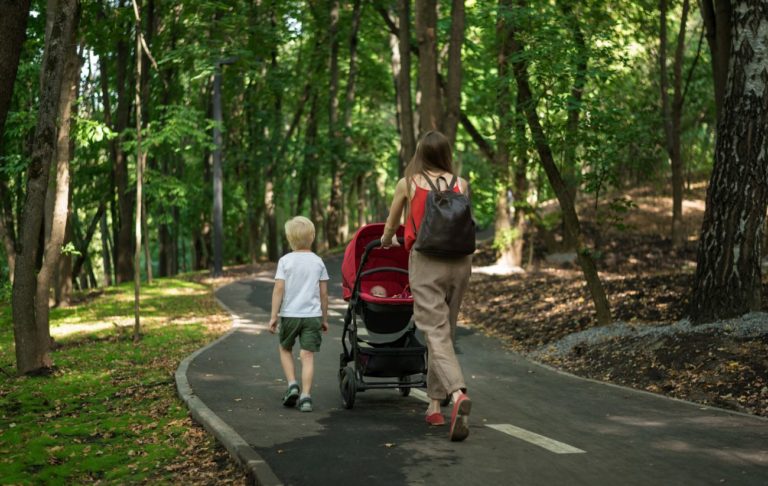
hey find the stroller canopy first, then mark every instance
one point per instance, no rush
(378, 257)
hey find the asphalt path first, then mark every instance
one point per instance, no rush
(530, 425)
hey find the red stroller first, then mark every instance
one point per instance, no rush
(379, 338)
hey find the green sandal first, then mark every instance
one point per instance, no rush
(305, 404)
(289, 400)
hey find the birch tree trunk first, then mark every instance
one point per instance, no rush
(31, 339)
(728, 275)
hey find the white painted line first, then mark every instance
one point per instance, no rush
(536, 439)
(420, 394)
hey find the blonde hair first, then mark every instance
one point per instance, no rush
(300, 233)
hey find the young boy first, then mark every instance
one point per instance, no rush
(301, 296)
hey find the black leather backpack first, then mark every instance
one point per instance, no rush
(447, 228)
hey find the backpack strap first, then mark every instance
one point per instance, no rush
(436, 188)
(429, 181)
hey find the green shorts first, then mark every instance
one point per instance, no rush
(307, 329)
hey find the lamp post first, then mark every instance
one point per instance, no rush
(218, 200)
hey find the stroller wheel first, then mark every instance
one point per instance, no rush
(404, 390)
(348, 387)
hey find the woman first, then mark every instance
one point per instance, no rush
(437, 284)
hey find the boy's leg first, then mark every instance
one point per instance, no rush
(309, 339)
(286, 359)
(307, 371)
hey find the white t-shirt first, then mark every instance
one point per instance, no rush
(302, 272)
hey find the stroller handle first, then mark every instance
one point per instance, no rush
(377, 243)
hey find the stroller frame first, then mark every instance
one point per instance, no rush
(351, 378)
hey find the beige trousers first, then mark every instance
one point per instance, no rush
(438, 286)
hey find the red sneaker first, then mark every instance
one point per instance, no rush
(435, 419)
(460, 419)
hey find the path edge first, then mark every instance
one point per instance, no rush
(257, 470)
(700, 406)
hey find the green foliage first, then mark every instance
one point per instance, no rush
(613, 213)
(505, 239)
(110, 412)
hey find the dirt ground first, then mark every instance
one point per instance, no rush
(648, 283)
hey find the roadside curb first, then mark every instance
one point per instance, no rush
(257, 470)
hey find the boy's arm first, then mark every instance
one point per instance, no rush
(277, 300)
(324, 303)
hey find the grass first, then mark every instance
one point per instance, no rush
(110, 412)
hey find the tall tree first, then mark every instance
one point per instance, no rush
(335, 201)
(13, 25)
(728, 276)
(407, 129)
(450, 121)
(672, 113)
(430, 108)
(504, 236)
(574, 107)
(717, 16)
(571, 219)
(31, 334)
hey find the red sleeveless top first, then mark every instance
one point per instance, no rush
(417, 205)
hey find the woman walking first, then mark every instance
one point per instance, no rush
(437, 283)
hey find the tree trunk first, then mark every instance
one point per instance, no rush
(503, 235)
(83, 244)
(407, 129)
(571, 219)
(123, 242)
(105, 250)
(728, 277)
(335, 201)
(63, 274)
(430, 113)
(140, 161)
(672, 115)
(7, 228)
(31, 334)
(717, 20)
(13, 26)
(520, 190)
(361, 199)
(311, 165)
(571, 171)
(450, 121)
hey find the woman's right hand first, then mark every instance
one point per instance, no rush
(388, 244)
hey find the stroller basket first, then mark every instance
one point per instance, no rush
(392, 362)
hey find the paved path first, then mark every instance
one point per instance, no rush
(529, 425)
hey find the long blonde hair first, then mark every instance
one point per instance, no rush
(433, 152)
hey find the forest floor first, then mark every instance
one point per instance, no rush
(546, 313)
